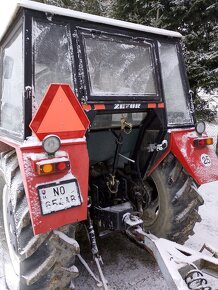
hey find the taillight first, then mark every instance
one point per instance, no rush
(46, 168)
(52, 166)
(201, 142)
(61, 166)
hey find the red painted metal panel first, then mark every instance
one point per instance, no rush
(78, 156)
(60, 113)
(200, 163)
(192, 159)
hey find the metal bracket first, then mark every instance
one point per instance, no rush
(126, 126)
(210, 249)
(28, 92)
(131, 220)
(157, 147)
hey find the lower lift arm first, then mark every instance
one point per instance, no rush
(182, 268)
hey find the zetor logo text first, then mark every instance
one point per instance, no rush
(127, 106)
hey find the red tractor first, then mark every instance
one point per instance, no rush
(96, 126)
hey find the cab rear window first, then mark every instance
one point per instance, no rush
(118, 66)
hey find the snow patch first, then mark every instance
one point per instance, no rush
(53, 160)
(79, 15)
(33, 141)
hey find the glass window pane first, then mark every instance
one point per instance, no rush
(178, 111)
(117, 68)
(12, 85)
(114, 120)
(52, 52)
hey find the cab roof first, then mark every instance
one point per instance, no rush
(10, 8)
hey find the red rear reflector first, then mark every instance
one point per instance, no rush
(61, 166)
(201, 142)
(152, 106)
(160, 105)
(99, 107)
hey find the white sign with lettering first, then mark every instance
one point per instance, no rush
(59, 196)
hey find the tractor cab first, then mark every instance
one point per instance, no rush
(96, 124)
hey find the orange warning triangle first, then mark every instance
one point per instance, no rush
(60, 113)
(61, 116)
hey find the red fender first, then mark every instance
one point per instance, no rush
(201, 163)
(28, 153)
(77, 154)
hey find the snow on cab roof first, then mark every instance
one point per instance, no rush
(76, 14)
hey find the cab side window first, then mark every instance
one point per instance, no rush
(12, 84)
(178, 111)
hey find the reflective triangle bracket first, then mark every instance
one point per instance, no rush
(60, 113)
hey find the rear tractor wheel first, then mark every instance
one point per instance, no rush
(30, 262)
(173, 210)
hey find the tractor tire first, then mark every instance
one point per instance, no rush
(30, 262)
(173, 211)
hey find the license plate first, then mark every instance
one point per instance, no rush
(59, 196)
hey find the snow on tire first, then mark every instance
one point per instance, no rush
(175, 200)
(30, 262)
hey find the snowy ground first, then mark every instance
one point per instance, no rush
(129, 267)
(207, 230)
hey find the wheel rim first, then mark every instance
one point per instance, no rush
(14, 259)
